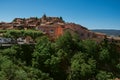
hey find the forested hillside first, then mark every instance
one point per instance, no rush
(66, 58)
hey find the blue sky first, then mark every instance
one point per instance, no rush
(93, 14)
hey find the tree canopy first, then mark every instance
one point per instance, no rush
(67, 58)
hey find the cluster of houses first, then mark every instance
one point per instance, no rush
(53, 27)
(20, 40)
(30, 23)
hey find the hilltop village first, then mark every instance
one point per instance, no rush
(48, 48)
(53, 27)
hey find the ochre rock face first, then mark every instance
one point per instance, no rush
(59, 31)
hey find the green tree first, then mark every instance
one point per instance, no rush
(22, 33)
(10, 70)
(7, 68)
(91, 48)
(67, 43)
(61, 18)
(81, 67)
(104, 55)
(103, 75)
(43, 51)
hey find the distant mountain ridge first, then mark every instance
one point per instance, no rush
(110, 32)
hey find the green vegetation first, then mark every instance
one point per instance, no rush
(67, 58)
(21, 33)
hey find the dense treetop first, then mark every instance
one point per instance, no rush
(67, 58)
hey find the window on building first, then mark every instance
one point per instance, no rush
(88, 35)
(51, 31)
(82, 34)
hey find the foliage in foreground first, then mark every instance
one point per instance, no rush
(68, 58)
(21, 33)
